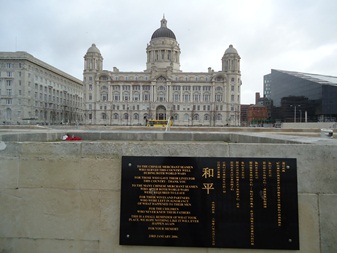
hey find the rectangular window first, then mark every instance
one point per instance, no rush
(218, 97)
(146, 97)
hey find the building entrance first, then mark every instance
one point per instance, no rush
(161, 113)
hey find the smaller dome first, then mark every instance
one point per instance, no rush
(93, 49)
(231, 50)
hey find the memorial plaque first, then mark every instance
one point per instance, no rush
(209, 202)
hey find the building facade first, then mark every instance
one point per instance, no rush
(162, 90)
(32, 91)
(257, 115)
(302, 97)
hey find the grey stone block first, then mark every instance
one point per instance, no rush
(328, 222)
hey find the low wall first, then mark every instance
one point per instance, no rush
(65, 196)
(308, 125)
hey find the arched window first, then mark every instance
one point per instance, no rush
(176, 116)
(126, 96)
(186, 117)
(146, 96)
(218, 116)
(196, 116)
(206, 97)
(126, 116)
(161, 97)
(196, 97)
(103, 77)
(136, 96)
(115, 116)
(103, 115)
(176, 97)
(206, 117)
(136, 116)
(116, 96)
(104, 96)
(187, 97)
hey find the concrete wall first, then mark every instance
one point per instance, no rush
(308, 125)
(64, 196)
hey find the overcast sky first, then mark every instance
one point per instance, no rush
(294, 35)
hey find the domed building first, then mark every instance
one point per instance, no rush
(162, 91)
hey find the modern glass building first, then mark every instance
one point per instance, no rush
(299, 97)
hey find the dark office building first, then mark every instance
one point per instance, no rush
(300, 97)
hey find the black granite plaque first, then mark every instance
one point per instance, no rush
(209, 202)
